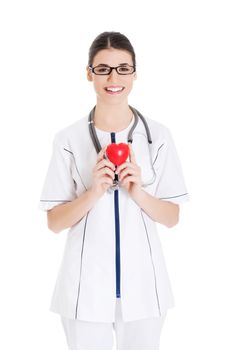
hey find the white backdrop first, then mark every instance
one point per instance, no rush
(184, 52)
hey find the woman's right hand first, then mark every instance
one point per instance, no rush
(103, 174)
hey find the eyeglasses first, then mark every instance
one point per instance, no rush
(106, 70)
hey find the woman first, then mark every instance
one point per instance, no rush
(113, 274)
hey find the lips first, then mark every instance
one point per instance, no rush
(114, 89)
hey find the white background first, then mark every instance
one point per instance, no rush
(184, 52)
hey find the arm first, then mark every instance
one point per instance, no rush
(68, 214)
(164, 212)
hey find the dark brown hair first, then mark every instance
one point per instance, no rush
(107, 40)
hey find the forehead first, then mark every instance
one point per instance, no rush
(112, 57)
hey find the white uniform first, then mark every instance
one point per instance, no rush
(114, 251)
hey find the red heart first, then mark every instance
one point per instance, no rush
(117, 153)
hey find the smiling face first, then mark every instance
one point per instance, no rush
(121, 85)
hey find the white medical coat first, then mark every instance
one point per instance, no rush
(86, 284)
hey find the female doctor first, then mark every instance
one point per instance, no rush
(113, 277)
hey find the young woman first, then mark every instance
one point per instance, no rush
(113, 275)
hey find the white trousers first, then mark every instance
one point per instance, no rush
(136, 335)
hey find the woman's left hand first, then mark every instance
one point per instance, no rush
(129, 174)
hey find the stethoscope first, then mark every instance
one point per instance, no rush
(98, 147)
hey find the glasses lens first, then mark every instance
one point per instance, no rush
(125, 69)
(102, 70)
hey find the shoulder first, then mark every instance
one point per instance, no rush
(159, 131)
(72, 132)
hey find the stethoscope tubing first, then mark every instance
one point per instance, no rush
(93, 133)
(137, 114)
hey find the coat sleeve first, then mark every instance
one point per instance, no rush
(170, 179)
(59, 186)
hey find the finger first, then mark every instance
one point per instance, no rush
(124, 166)
(101, 154)
(106, 180)
(106, 171)
(132, 155)
(104, 162)
(134, 179)
(127, 172)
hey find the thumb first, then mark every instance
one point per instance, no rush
(101, 154)
(132, 155)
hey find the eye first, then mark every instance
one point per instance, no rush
(124, 69)
(101, 69)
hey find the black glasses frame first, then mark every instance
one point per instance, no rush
(111, 68)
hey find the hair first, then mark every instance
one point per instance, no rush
(106, 40)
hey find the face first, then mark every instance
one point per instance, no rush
(112, 57)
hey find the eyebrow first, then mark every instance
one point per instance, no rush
(106, 65)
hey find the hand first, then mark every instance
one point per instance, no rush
(103, 174)
(130, 174)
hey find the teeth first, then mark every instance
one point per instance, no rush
(114, 89)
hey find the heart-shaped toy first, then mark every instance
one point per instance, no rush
(117, 153)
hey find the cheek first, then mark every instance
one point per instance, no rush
(97, 86)
(129, 85)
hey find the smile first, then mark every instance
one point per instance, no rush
(114, 89)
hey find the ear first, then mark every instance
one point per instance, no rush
(89, 74)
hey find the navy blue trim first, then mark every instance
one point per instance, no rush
(67, 150)
(117, 240)
(117, 232)
(81, 262)
(53, 200)
(180, 195)
(155, 280)
(157, 153)
(76, 167)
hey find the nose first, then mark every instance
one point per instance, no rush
(112, 74)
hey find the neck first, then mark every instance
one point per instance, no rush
(109, 117)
